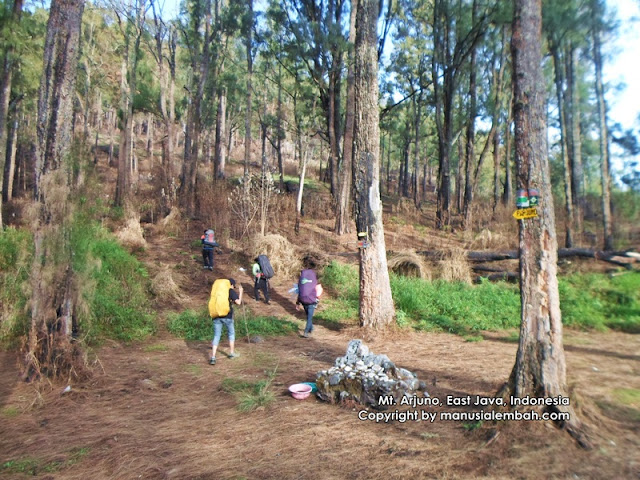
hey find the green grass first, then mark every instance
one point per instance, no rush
(251, 395)
(591, 301)
(33, 466)
(10, 412)
(158, 347)
(194, 369)
(597, 301)
(310, 184)
(628, 396)
(192, 325)
(471, 426)
(16, 256)
(114, 286)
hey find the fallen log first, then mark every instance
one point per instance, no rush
(612, 257)
(606, 256)
(621, 258)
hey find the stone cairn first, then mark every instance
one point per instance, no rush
(364, 377)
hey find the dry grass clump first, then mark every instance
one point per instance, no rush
(283, 255)
(172, 222)
(408, 264)
(166, 284)
(487, 239)
(455, 267)
(131, 235)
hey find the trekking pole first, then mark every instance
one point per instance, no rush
(246, 326)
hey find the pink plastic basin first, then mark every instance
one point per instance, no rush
(300, 391)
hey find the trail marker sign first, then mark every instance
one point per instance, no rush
(523, 213)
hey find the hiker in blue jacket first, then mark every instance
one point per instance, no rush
(208, 244)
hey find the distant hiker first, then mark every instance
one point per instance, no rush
(223, 296)
(262, 272)
(309, 291)
(208, 244)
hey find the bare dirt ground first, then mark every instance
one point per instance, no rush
(157, 410)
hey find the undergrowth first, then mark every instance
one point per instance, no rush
(112, 285)
(197, 325)
(16, 254)
(251, 395)
(591, 301)
(33, 466)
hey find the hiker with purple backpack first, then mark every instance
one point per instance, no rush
(309, 291)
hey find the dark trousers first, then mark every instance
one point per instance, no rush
(207, 257)
(261, 284)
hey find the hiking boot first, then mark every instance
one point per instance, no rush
(233, 355)
(212, 361)
(211, 268)
(205, 267)
(305, 335)
(267, 302)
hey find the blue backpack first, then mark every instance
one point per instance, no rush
(208, 239)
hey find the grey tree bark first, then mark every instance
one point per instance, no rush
(343, 203)
(6, 78)
(605, 166)
(540, 367)
(49, 349)
(376, 304)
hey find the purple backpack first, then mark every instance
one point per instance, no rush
(307, 287)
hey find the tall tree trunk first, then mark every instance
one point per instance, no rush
(496, 170)
(376, 303)
(303, 171)
(559, 81)
(112, 127)
(10, 166)
(416, 151)
(605, 167)
(247, 118)
(279, 131)
(49, 349)
(6, 77)
(128, 85)
(405, 161)
(507, 194)
(540, 368)
(220, 159)
(200, 65)
(389, 166)
(577, 169)
(343, 203)
(334, 15)
(459, 193)
(470, 152)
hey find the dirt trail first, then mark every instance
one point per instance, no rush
(157, 410)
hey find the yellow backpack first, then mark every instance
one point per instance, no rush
(219, 301)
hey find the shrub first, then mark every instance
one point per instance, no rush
(114, 286)
(16, 255)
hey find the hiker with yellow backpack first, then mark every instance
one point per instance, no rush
(223, 296)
